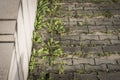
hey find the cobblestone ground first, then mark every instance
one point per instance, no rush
(91, 43)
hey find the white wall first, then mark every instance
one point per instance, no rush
(23, 40)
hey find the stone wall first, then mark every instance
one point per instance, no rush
(23, 40)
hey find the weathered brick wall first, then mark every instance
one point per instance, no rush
(91, 43)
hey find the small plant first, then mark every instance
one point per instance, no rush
(55, 26)
(104, 54)
(32, 61)
(115, 1)
(107, 14)
(80, 24)
(49, 50)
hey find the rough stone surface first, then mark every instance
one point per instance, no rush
(109, 76)
(88, 50)
(112, 67)
(95, 68)
(104, 61)
(91, 76)
(115, 48)
(82, 60)
(91, 41)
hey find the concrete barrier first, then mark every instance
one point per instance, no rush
(17, 39)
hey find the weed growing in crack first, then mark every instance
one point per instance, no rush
(49, 49)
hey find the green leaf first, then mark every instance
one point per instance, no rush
(39, 40)
(51, 40)
(40, 51)
(80, 23)
(44, 58)
(34, 34)
(34, 51)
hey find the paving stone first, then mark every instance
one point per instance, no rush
(84, 12)
(71, 6)
(99, 19)
(110, 29)
(88, 37)
(117, 28)
(71, 49)
(97, 12)
(99, 61)
(71, 1)
(66, 50)
(112, 67)
(70, 37)
(75, 43)
(80, 4)
(74, 37)
(64, 13)
(89, 22)
(94, 50)
(56, 38)
(78, 8)
(108, 7)
(115, 12)
(118, 61)
(6, 51)
(104, 23)
(73, 19)
(114, 48)
(108, 19)
(67, 66)
(80, 19)
(65, 42)
(100, 42)
(62, 6)
(73, 68)
(73, 23)
(109, 76)
(115, 42)
(67, 61)
(116, 6)
(95, 68)
(114, 19)
(79, 29)
(10, 12)
(72, 14)
(91, 76)
(80, 1)
(88, 3)
(7, 27)
(74, 32)
(7, 38)
(119, 36)
(54, 76)
(64, 19)
(67, 76)
(83, 61)
(85, 42)
(108, 36)
(91, 8)
(97, 29)
(117, 23)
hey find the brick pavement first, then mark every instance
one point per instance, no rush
(91, 41)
